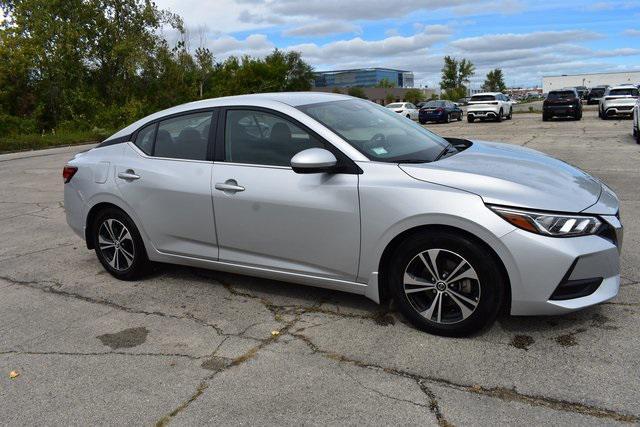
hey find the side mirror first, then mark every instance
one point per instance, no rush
(313, 160)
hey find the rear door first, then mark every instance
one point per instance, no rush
(267, 215)
(165, 177)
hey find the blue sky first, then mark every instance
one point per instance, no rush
(527, 39)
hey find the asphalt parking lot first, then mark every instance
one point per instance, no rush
(189, 346)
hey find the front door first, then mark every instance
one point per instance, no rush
(269, 216)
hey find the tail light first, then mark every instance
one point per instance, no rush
(439, 110)
(68, 172)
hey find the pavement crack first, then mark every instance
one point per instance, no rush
(99, 353)
(434, 406)
(501, 393)
(52, 288)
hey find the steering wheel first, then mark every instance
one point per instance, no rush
(377, 140)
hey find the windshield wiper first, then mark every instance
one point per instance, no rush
(448, 149)
(411, 161)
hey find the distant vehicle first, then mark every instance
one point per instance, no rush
(463, 101)
(405, 108)
(562, 103)
(636, 121)
(439, 111)
(618, 101)
(582, 91)
(595, 94)
(489, 105)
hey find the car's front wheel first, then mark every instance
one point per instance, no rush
(119, 246)
(446, 284)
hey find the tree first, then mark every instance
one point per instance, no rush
(494, 81)
(385, 83)
(389, 98)
(357, 92)
(414, 96)
(455, 77)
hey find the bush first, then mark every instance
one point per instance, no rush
(12, 125)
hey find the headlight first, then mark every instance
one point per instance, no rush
(550, 224)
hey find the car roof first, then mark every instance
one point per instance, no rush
(624, 86)
(272, 100)
(487, 93)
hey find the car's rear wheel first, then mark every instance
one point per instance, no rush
(545, 118)
(510, 116)
(470, 119)
(459, 116)
(499, 118)
(118, 245)
(446, 284)
(408, 116)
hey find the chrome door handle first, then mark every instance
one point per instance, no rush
(229, 186)
(129, 174)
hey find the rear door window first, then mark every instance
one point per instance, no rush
(184, 137)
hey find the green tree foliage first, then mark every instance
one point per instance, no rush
(385, 83)
(494, 82)
(103, 63)
(357, 92)
(414, 96)
(455, 77)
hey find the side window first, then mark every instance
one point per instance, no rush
(259, 138)
(184, 137)
(144, 139)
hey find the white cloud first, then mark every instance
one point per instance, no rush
(322, 29)
(632, 33)
(497, 42)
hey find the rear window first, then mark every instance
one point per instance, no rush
(483, 98)
(433, 104)
(597, 91)
(396, 105)
(626, 91)
(561, 94)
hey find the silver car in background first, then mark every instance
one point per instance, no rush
(337, 192)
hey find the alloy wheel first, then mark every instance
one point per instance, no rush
(442, 286)
(116, 244)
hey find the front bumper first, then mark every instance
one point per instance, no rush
(543, 263)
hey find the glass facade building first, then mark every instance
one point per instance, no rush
(363, 77)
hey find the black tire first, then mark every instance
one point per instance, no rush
(499, 118)
(545, 118)
(510, 116)
(579, 116)
(409, 116)
(139, 265)
(447, 118)
(450, 247)
(470, 119)
(422, 122)
(460, 117)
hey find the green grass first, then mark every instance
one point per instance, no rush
(9, 144)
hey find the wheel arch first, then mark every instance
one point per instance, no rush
(97, 206)
(386, 257)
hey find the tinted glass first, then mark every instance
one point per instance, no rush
(377, 132)
(184, 137)
(561, 94)
(144, 140)
(260, 138)
(626, 91)
(597, 92)
(434, 104)
(396, 105)
(483, 98)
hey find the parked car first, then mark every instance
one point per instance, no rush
(582, 91)
(345, 194)
(463, 101)
(618, 101)
(490, 105)
(562, 103)
(439, 111)
(636, 121)
(407, 109)
(595, 94)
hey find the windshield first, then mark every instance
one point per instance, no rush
(483, 98)
(626, 91)
(396, 105)
(561, 94)
(377, 132)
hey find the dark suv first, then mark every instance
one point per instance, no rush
(562, 103)
(595, 94)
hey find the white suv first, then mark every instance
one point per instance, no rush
(489, 105)
(636, 121)
(618, 101)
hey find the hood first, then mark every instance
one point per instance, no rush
(510, 175)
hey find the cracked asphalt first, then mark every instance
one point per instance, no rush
(190, 346)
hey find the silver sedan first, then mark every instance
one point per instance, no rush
(337, 192)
